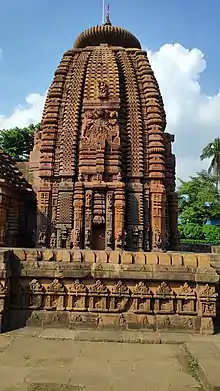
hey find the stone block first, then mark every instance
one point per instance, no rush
(48, 255)
(89, 256)
(152, 259)
(204, 260)
(114, 257)
(19, 254)
(140, 258)
(176, 259)
(190, 260)
(63, 256)
(33, 255)
(126, 258)
(76, 256)
(164, 259)
(101, 257)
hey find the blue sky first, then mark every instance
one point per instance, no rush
(182, 39)
(35, 33)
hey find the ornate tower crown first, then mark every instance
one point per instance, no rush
(105, 167)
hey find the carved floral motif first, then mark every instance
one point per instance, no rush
(164, 289)
(77, 287)
(56, 286)
(98, 288)
(35, 286)
(120, 288)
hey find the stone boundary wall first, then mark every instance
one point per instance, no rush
(81, 289)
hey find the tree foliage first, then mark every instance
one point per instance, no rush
(18, 142)
(212, 151)
(198, 199)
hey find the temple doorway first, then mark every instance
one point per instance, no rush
(98, 237)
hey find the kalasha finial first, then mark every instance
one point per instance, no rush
(108, 23)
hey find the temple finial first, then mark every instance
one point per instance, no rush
(108, 23)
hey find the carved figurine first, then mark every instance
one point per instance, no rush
(119, 240)
(42, 238)
(109, 238)
(76, 238)
(103, 90)
(113, 122)
(53, 240)
(135, 238)
(87, 123)
(88, 238)
(88, 199)
(110, 200)
(63, 238)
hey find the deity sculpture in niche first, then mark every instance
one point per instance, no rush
(103, 90)
(100, 125)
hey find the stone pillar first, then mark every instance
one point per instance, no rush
(119, 213)
(173, 219)
(77, 232)
(109, 220)
(135, 216)
(157, 188)
(88, 218)
(146, 239)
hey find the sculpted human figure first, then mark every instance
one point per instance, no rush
(87, 123)
(103, 90)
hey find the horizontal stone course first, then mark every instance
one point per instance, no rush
(114, 257)
(41, 288)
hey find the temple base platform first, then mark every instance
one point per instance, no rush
(108, 290)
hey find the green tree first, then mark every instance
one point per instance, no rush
(199, 199)
(18, 142)
(212, 151)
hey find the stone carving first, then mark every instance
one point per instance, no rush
(163, 289)
(35, 286)
(100, 125)
(206, 291)
(186, 290)
(98, 144)
(77, 296)
(77, 287)
(42, 238)
(103, 90)
(98, 288)
(3, 290)
(76, 238)
(119, 297)
(141, 289)
(120, 288)
(56, 286)
(53, 240)
(98, 294)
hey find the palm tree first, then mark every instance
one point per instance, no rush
(212, 151)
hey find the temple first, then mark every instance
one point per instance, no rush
(17, 206)
(103, 173)
(103, 168)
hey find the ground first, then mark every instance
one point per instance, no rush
(68, 360)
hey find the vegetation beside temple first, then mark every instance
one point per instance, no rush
(18, 142)
(199, 201)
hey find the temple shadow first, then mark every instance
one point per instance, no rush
(15, 315)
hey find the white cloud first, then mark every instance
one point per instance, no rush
(192, 116)
(23, 115)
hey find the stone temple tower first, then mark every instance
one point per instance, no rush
(103, 167)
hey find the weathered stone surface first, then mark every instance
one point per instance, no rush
(109, 295)
(36, 364)
(84, 173)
